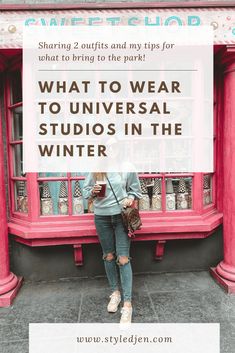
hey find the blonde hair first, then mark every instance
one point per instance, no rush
(102, 176)
(99, 176)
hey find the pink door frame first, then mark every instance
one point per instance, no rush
(9, 283)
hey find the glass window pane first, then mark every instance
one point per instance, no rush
(84, 174)
(151, 194)
(17, 160)
(178, 193)
(16, 86)
(17, 127)
(207, 190)
(49, 174)
(156, 200)
(53, 198)
(79, 203)
(21, 199)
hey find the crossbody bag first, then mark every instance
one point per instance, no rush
(130, 216)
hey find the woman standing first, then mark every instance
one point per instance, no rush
(113, 237)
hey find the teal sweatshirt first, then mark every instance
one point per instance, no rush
(123, 184)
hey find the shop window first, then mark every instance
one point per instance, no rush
(16, 86)
(48, 198)
(18, 159)
(178, 193)
(61, 194)
(207, 190)
(17, 124)
(21, 199)
(79, 206)
(54, 197)
(152, 194)
(18, 181)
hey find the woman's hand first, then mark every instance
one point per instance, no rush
(96, 189)
(127, 202)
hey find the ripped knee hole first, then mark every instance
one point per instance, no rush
(123, 260)
(109, 257)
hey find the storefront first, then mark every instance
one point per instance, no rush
(48, 209)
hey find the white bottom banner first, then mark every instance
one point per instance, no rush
(114, 338)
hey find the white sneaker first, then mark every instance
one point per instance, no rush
(126, 315)
(115, 300)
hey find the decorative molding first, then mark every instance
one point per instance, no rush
(226, 57)
(78, 256)
(222, 19)
(118, 5)
(159, 251)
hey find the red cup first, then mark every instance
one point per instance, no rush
(102, 192)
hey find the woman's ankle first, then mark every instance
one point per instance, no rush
(116, 292)
(127, 304)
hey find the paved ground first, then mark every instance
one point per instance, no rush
(180, 297)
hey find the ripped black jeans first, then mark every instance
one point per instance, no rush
(114, 239)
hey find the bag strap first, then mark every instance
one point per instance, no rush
(113, 192)
(131, 233)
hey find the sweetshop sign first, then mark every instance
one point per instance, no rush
(221, 19)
